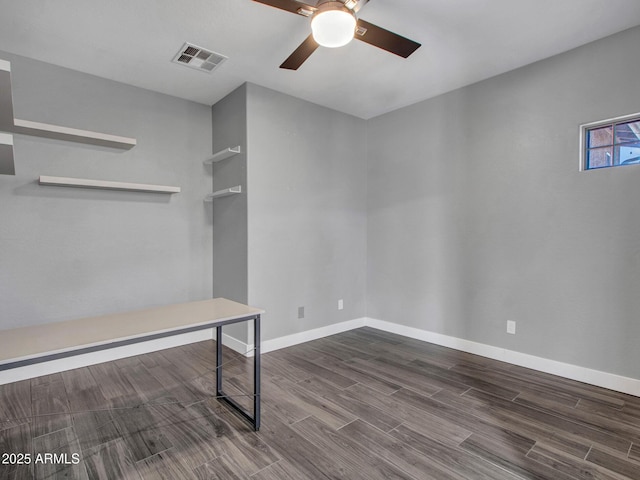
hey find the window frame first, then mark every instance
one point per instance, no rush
(585, 127)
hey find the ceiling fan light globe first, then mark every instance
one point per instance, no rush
(333, 28)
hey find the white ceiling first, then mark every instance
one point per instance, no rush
(463, 41)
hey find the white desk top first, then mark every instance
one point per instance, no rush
(28, 342)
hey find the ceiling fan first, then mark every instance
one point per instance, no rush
(334, 24)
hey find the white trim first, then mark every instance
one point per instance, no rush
(582, 158)
(246, 349)
(301, 337)
(607, 121)
(6, 139)
(566, 370)
(84, 360)
(5, 65)
(233, 343)
(611, 381)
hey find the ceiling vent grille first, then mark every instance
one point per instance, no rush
(198, 58)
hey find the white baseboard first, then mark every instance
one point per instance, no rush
(566, 370)
(296, 338)
(574, 372)
(86, 359)
(242, 348)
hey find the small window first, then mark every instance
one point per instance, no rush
(610, 143)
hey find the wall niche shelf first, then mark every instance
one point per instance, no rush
(222, 154)
(10, 124)
(105, 185)
(225, 192)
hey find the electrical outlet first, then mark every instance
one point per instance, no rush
(511, 327)
(300, 312)
(340, 304)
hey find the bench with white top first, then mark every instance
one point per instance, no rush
(25, 346)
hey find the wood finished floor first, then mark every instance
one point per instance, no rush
(359, 405)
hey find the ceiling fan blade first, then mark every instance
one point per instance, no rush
(300, 55)
(384, 39)
(292, 6)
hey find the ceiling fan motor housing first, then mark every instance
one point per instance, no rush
(332, 5)
(333, 24)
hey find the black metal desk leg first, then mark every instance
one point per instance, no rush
(255, 418)
(219, 361)
(256, 373)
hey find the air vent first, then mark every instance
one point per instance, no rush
(198, 58)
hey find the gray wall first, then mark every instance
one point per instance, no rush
(452, 215)
(71, 253)
(307, 212)
(229, 119)
(477, 212)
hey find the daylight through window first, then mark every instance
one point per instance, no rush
(611, 143)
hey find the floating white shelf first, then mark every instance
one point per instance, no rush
(57, 132)
(223, 193)
(6, 139)
(222, 154)
(105, 185)
(10, 124)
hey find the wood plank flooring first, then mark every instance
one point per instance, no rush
(364, 404)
